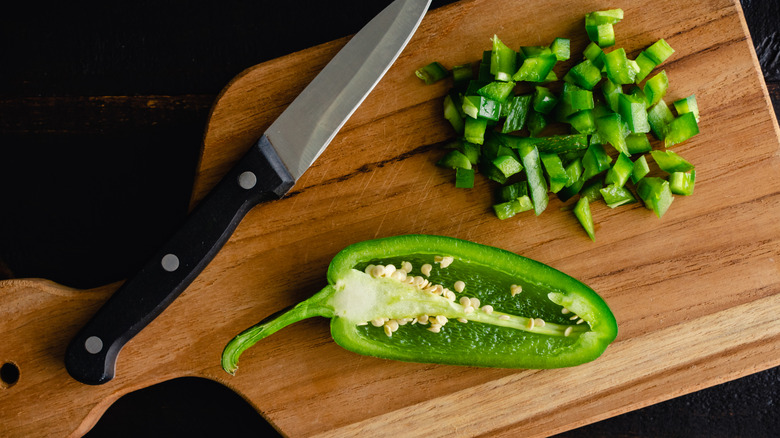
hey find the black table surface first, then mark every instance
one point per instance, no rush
(102, 112)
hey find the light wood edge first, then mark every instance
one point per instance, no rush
(50, 287)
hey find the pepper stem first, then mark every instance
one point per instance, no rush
(314, 306)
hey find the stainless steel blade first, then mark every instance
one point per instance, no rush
(307, 126)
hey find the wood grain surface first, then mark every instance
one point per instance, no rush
(695, 293)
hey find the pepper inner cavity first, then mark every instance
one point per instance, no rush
(457, 302)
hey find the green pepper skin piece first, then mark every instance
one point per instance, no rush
(502, 60)
(656, 194)
(561, 48)
(464, 178)
(640, 169)
(659, 117)
(682, 183)
(537, 184)
(518, 112)
(353, 297)
(619, 69)
(687, 105)
(655, 88)
(583, 214)
(535, 69)
(432, 73)
(595, 161)
(619, 173)
(454, 160)
(671, 162)
(680, 129)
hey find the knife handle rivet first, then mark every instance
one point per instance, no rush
(170, 262)
(93, 344)
(247, 180)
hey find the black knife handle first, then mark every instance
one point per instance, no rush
(259, 176)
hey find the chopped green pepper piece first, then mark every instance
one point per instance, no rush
(619, 173)
(592, 190)
(598, 26)
(474, 86)
(481, 107)
(567, 192)
(681, 183)
(670, 162)
(611, 92)
(632, 111)
(681, 128)
(544, 100)
(601, 34)
(594, 53)
(573, 171)
(505, 210)
(534, 51)
(537, 185)
(646, 66)
(432, 72)
(585, 217)
(535, 69)
(518, 111)
(655, 88)
(555, 144)
(494, 147)
(474, 130)
(583, 121)
(619, 70)
(594, 161)
(497, 91)
(513, 191)
(638, 143)
(687, 105)
(615, 196)
(464, 178)
(659, 51)
(461, 75)
(483, 74)
(585, 74)
(659, 117)
(638, 95)
(453, 114)
(455, 160)
(560, 47)
(502, 61)
(367, 302)
(581, 99)
(608, 16)
(555, 171)
(612, 129)
(640, 169)
(656, 194)
(508, 165)
(536, 123)
(470, 150)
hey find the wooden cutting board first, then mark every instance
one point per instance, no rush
(696, 293)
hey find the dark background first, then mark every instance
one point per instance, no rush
(102, 112)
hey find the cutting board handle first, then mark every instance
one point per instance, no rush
(259, 176)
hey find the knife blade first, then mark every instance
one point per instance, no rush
(267, 172)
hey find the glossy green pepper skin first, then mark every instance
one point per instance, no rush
(529, 315)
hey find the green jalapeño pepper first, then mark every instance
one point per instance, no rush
(433, 299)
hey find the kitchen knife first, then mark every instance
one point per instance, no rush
(268, 171)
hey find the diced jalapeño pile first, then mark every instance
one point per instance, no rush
(509, 112)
